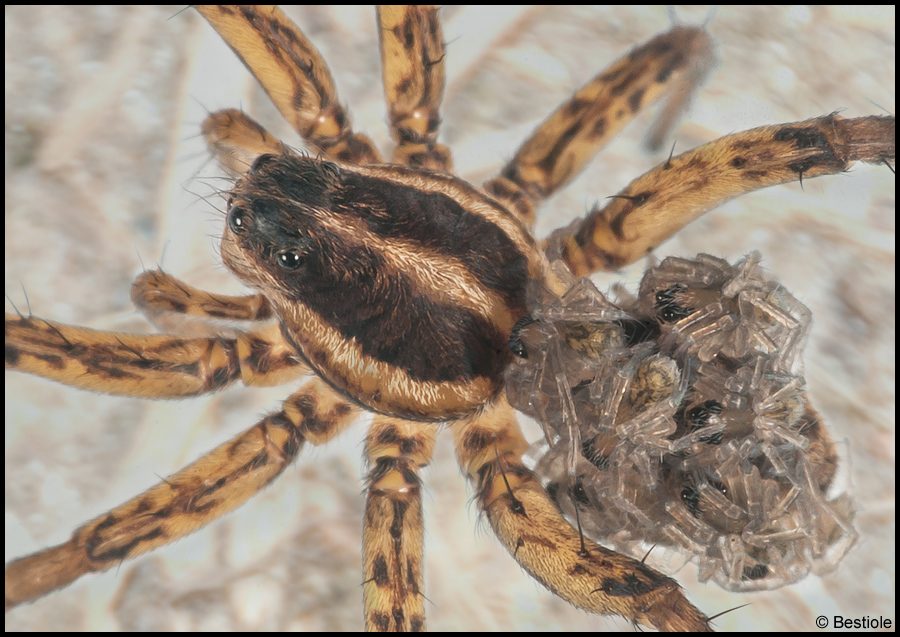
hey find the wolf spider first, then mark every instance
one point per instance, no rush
(124, 492)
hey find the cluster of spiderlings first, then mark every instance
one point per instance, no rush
(679, 419)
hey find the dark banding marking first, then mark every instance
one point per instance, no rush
(124, 551)
(666, 71)
(636, 99)
(312, 420)
(404, 85)
(416, 624)
(405, 31)
(380, 572)
(477, 439)
(617, 223)
(802, 137)
(412, 576)
(632, 75)
(632, 586)
(549, 163)
(382, 621)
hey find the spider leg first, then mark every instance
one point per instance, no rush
(656, 205)
(171, 304)
(192, 498)
(393, 532)
(675, 62)
(526, 521)
(412, 60)
(147, 365)
(236, 139)
(294, 75)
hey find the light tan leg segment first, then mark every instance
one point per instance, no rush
(393, 531)
(147, 365)
(293, 73)
(236, 139)
(674, 63)
(158, 294)
(185, 502)
(656, 205)
(412, 61)
(528, 524)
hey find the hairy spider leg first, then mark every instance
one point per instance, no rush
(169, 303)
(294, 75)
(393, 532)
(673, 63)
(147, 365)
(527, 522)
(203, 491)
(236, 139)
(412, 63)
(659, 203)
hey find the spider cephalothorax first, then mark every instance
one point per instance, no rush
(416, 324)
(418, 276)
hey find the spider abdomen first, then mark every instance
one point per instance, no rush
(399, 287)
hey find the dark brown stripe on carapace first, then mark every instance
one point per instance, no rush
(401, 204)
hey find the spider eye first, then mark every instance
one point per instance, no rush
(289, 259)
(239, 220)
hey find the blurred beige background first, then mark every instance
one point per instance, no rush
(104, 164)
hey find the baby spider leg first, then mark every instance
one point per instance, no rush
(761, 47)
